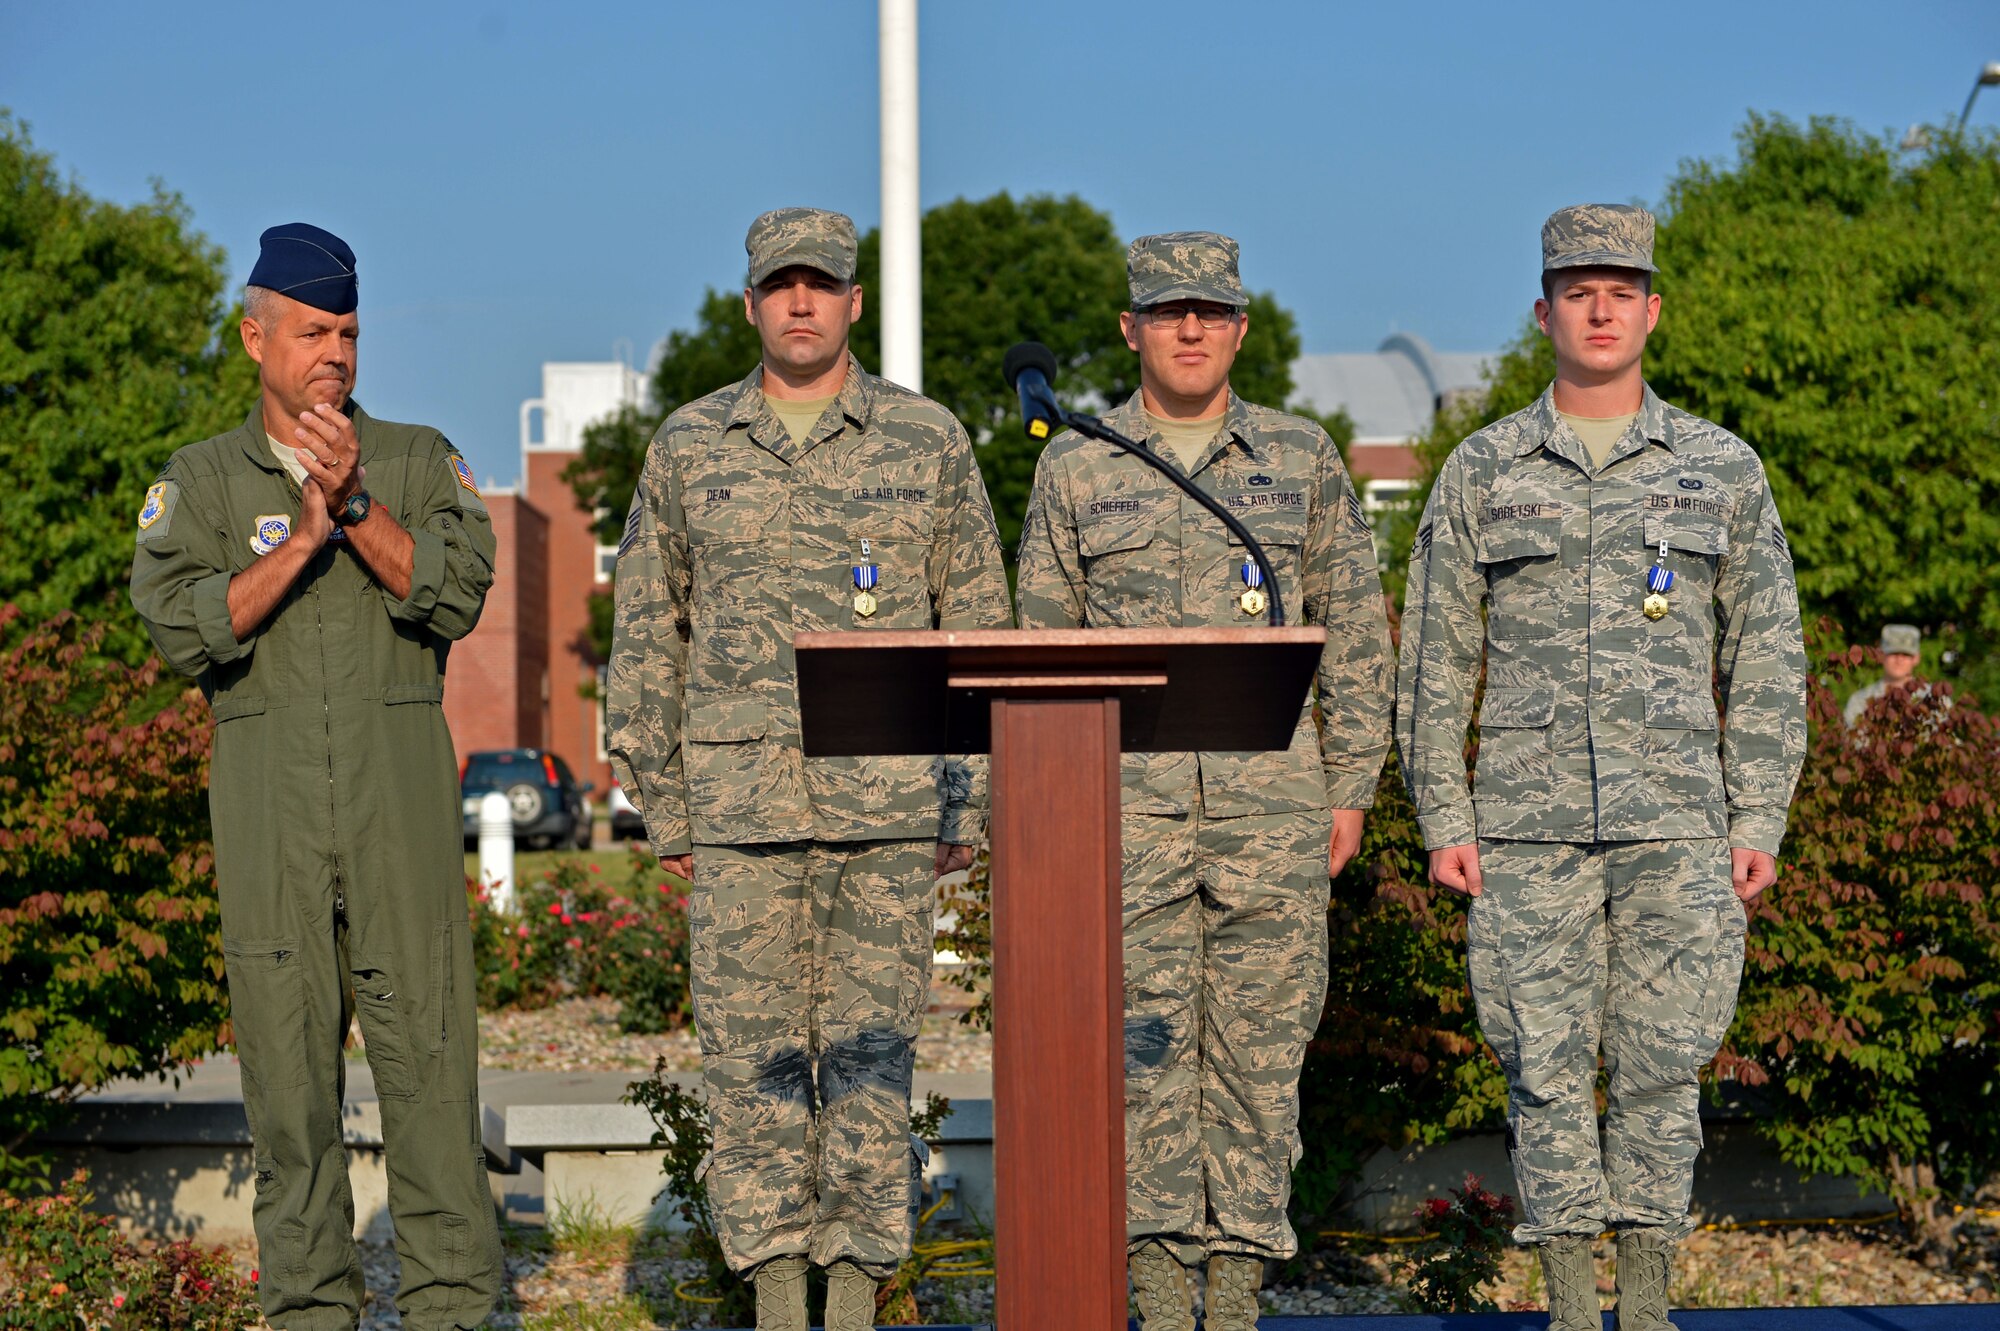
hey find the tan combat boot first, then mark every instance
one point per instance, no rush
(1572, 1284)
(781, 1294)
(1160, 1287)
(850, 1298)
(1233, 1281)
(1645, 1270)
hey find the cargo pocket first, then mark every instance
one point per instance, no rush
(1683, 747)
(454, 1246)
(267, 1010)
(1515, 763)
(404, 1030)
(722, 756)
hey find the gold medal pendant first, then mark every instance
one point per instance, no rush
(1253, 602)
(1656, 606)
(864, 604)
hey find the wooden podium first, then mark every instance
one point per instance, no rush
(1056, 708)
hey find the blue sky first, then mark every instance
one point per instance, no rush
(524, 183)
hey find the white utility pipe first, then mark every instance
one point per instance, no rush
(496, 850)
(902, 293)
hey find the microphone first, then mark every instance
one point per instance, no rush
(1030, 367)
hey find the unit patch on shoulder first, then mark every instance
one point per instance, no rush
(458, 464)
(270, 531)
(156, 514)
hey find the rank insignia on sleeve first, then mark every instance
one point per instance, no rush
(631, 529)
(1422, 545)
(270, 531)
(1359, 514)
(155, 505)
(458, 465)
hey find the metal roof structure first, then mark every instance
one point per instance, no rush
(1392, 392)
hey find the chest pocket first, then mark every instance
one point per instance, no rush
(896, 524)
(729, 527)
(1120, 569)
(1282, 533)
(1695, 546)
(1522, 566)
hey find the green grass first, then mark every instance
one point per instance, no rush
(584, 1230)
(629, 1313)
(532, 864)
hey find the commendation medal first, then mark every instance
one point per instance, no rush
(1659, 581)
(865, 578)
(1253, 601)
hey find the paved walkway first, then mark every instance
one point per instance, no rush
(217, 1081)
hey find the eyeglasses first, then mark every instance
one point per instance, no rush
(1171, 316)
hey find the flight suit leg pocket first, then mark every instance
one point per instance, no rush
(267, 1010)
(403, 1011)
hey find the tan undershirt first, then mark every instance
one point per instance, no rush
(1187, 440)
(799, 415)
(1600, 434)
(287, 455)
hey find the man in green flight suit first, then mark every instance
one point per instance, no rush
(317, 613)
(1226, 856)
(1629, 558)
(809, 496)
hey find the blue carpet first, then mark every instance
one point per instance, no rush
(1929, 1317)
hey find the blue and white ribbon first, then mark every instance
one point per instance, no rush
(865, 576)
(1659, 579)
(1253, 577)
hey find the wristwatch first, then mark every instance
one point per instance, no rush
(356, 508)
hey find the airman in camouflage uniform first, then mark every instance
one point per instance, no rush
(1629, 557)
(333, 788)
(811, 910)
(1226, 855)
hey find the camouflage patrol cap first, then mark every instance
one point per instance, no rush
(1184, 265)
(1901, 638)
(810, 236)
(1598, 235)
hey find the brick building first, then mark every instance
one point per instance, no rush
(526, 676)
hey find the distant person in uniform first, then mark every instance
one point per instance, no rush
(1901, 644)
(811, 495)
(316, 612)
(1605, 557)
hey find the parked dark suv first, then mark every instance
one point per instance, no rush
(549, 806)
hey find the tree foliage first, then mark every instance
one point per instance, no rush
(1830, 300)
(996, 271)
(1872, 979)
(110, 932)
(114, 350)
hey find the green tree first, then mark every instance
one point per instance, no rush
(1830, 300)
(996, 271)
(114, 350)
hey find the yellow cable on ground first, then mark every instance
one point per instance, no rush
(681, 1292)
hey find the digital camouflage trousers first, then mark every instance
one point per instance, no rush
(1628, 949)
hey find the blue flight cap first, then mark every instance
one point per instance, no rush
(309, 265)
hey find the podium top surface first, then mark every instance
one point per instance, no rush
(916, 692)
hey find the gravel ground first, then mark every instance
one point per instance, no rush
(613, 1281)
(582, 1033)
